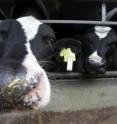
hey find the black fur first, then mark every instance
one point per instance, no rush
(43, 43)
(12, 46)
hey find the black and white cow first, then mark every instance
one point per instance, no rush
(22, 42)
(98, 46)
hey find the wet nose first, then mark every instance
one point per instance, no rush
(97, 64)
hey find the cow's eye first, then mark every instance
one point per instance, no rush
(47, 39)
(52, 40)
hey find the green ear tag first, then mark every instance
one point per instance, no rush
(67, 53)
(69, 57)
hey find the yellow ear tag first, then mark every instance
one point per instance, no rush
(69, 57)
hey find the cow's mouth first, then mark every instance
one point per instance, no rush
(34, 94)
(22, 94)
(95, 68)
(38, 95)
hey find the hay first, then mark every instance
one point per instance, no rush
(11, 96)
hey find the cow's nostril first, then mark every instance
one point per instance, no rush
(35, 80)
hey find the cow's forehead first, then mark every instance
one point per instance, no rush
(30, 26)
(102, 31)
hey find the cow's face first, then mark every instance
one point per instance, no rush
(18, 58)
(98, 48)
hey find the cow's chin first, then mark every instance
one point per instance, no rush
(93, 69)
(25, 94)
(39, 94)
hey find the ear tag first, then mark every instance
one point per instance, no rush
(69, 57)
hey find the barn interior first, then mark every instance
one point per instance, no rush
(89, 95)
(67, 18)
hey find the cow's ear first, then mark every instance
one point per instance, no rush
(72, 43)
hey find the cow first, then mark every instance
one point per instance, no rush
(24, 42)
(98, 47)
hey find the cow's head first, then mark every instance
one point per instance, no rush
(18, 57)
(98, 47)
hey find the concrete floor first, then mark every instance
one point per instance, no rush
(83, 94)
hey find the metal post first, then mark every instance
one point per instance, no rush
(103, 11)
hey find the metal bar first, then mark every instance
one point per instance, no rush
(109, 1)
(103, 11)
(87, 22)
(108, 74)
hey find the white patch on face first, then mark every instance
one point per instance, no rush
(30, 63)
(95, 57)
(30, 26)
(102, 31)
(33, 68)
(45, 95)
